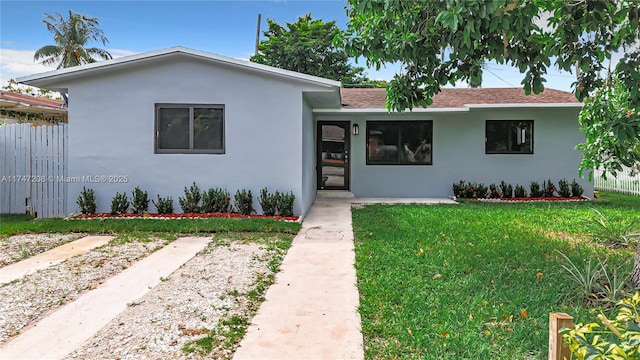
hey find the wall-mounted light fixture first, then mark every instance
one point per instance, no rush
(355, 129)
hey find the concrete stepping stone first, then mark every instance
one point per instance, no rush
(54, 256)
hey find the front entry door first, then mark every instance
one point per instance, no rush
(333, 155)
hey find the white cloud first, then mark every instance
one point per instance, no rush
(16, 63)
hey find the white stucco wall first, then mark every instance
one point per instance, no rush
(111, 131)
(459, 154)
(308, 158)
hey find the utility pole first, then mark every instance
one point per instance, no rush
(258, 33)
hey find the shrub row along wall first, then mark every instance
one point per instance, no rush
(213, 200)
(548, 188)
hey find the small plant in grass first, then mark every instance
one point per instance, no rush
(535, 190)
(506, 189)
(119, 204)
(190, 203)
(87, 201)
(164, 205)
(549, 188)
(519, 191)
(481, 191)
(618, 338)
(139, 201)
(614, 233)
(586, 276)
(576, 189)
(285, 203)
(244, 201)
(216, 201)
(493, 192)
(268, 202)
(564, 189)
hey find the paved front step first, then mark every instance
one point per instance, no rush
(339, 194)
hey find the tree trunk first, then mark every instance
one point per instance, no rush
(635, 277)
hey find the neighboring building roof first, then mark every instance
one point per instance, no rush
(50, 78)
(363, 98)
(24, 103)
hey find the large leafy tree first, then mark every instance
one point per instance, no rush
(446, 41)
(307, 46)
(443, 42)
(71, 36)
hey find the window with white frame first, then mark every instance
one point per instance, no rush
(185, 128)
(509, 137)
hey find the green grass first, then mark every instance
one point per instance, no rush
(22, 224)
(454, 282)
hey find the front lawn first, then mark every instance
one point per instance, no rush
(475, 280)
(23, 224)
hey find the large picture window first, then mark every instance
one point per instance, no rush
(509, 137)
(190, 129)
(399, 142)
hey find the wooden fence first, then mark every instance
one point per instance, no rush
(32, 169)
(623, 182)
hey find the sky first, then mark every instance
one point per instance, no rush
(223, 27)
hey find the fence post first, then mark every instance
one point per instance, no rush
(558, 350)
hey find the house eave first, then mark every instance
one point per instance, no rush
(385, 111)
(524, 106)
(57, 76)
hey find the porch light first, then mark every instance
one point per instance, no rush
(355, 129)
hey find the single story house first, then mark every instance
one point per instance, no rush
(164, 119)
(16, 108)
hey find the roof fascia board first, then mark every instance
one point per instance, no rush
(147, 56)
(385, 111)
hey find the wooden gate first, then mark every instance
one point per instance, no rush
(33, 167)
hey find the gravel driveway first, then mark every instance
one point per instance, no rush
(210, 287)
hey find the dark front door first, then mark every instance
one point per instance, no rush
(333, 155)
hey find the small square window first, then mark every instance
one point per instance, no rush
(509, 137)
(189, 129)
(399, 142)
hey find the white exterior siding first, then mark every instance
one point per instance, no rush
(459, 153)
(111, 131)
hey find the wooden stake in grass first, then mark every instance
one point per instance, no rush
(557, 349)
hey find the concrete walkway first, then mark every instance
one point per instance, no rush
(51, 257)
(311, 310)
(66, 329)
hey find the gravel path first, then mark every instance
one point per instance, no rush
(19, 247)
(182, 308)
(25, 301)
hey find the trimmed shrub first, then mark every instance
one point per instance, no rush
(119, 204)
(216, 201)
(535, 190)
(285, 203)
(87, 201)
(244, 201)
(576, 189)
(139, 201)
(507, 189)
(481, 191)
(519, 191)
(564, 189)
(269, 202)
(458, 189)
(493, 192)
(164, 205)
(549, 188)
(190, 203)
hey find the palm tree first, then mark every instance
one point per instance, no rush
(71, 36)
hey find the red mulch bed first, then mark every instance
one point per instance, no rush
(103, 216)
(529, 199)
